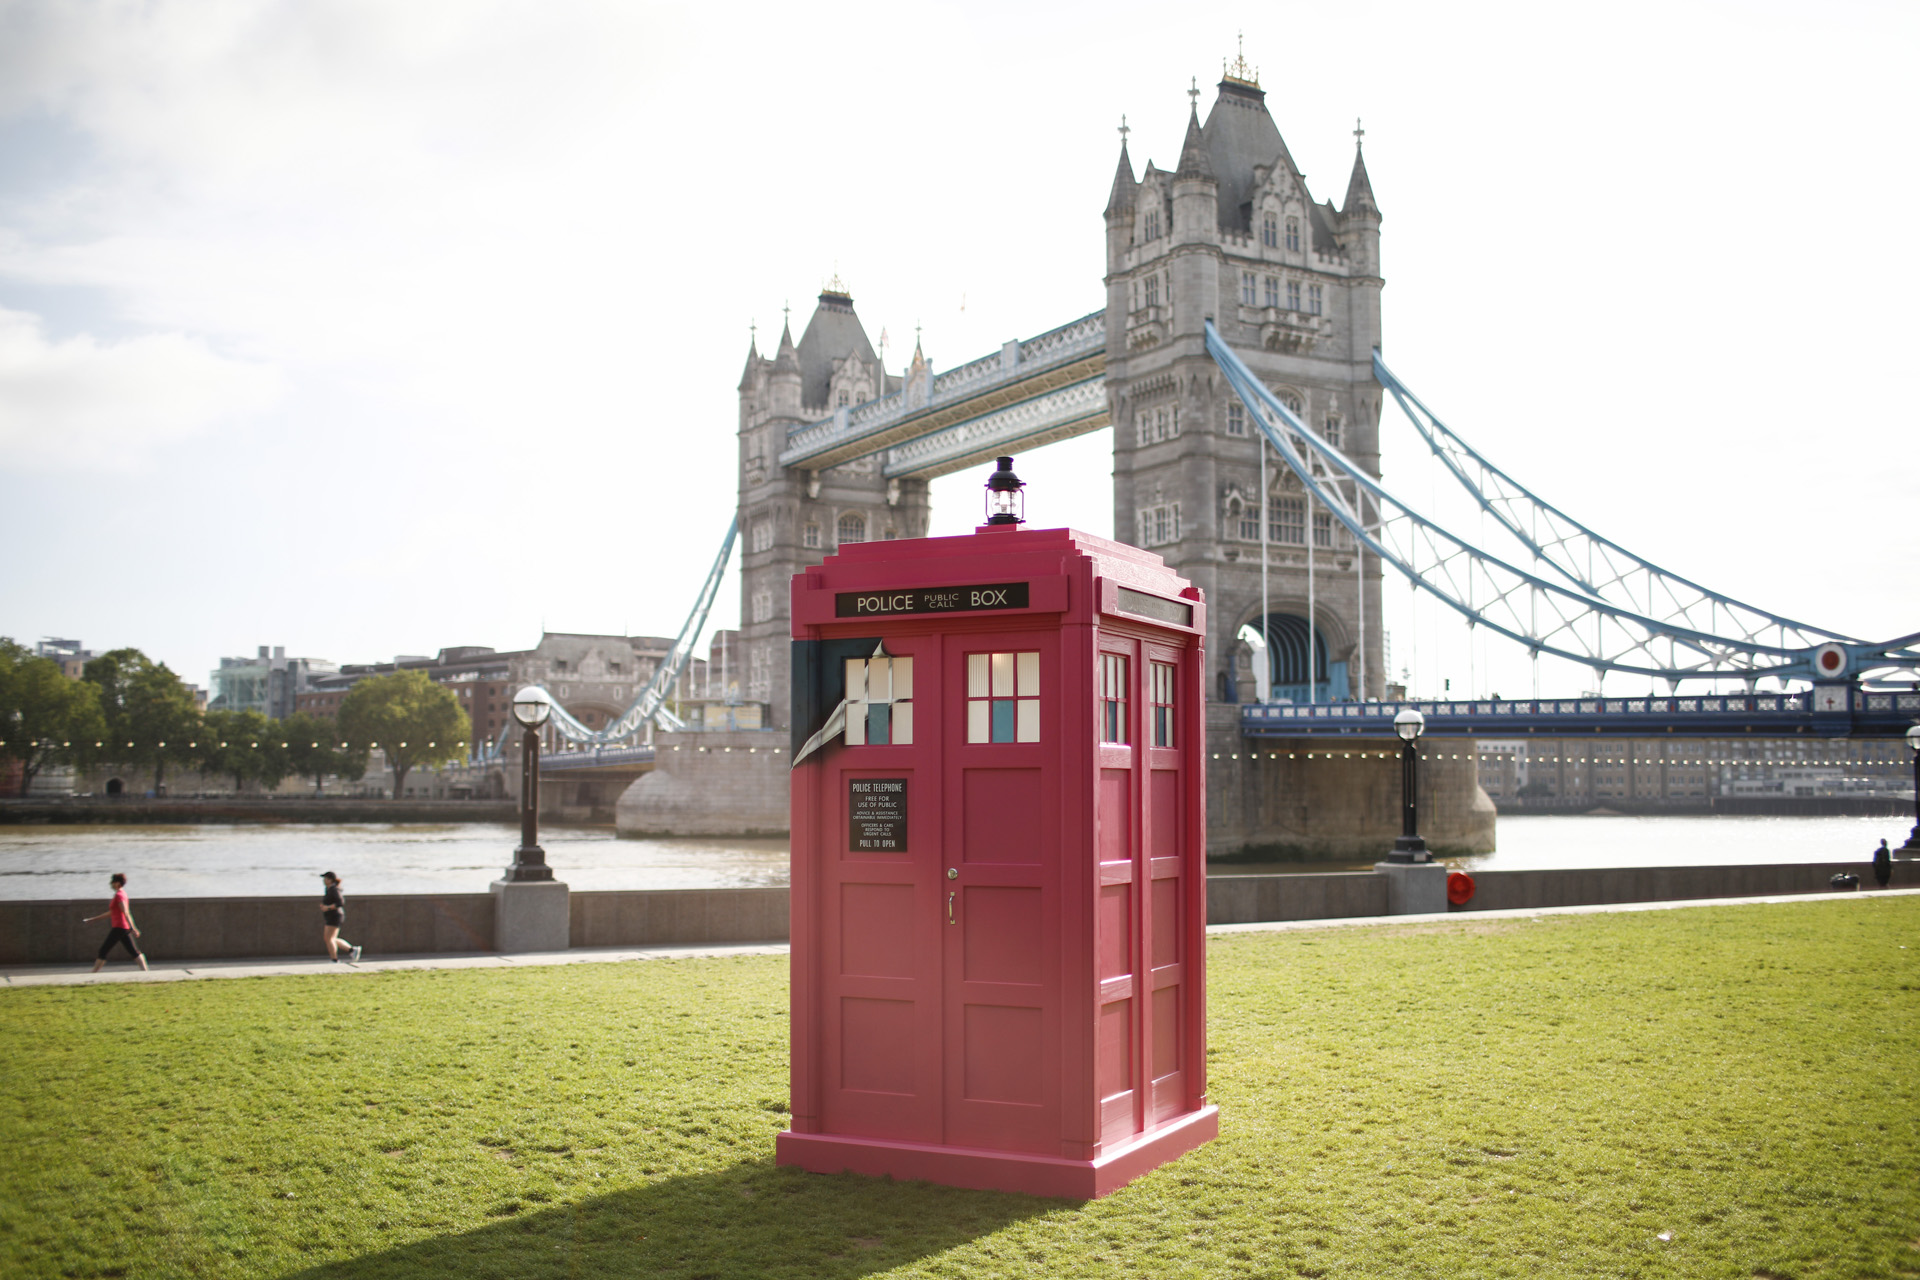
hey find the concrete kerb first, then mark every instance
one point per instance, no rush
(60, 975)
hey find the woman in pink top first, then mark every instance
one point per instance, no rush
(120, 915)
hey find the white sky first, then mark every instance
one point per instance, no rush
(372, 328)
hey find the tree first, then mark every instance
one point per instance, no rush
(315, 749)
(244, 746)
(409, 717)
(150, 712)
(44, 716)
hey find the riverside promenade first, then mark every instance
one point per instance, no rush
(44, 975)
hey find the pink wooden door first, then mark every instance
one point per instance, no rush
(879, 953)
(999, 909)
(1142, 919)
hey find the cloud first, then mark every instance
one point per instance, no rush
(82, 404)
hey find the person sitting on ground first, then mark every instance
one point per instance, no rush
(119, 915)
(333, 909)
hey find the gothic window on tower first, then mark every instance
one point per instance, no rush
(1287, 521)
(1150, 225)
(880, 702)
(1248, 296)
(1273, 292)
(762, 606)
(1293, 295)
(852, 528)
(1160, 524)
(1293, 235)
(843, 398)
(1155, 425)
(1152, 291)
(1236, 418)
(1331, 430)
(1323, 528)
(1003, 697)
(810, 537)
(762, 534)
(1270, 231)
(1247, 518)
(1313, 299)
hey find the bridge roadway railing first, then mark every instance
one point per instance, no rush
(1872, 713)
(1018, 372)
(595, 758)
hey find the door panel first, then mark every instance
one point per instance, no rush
(1000, 933)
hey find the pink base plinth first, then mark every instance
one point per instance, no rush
(1000, 1170)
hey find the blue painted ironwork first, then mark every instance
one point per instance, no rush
(595, 758)
(1867, 714)
(650, 704)
(1560, 615)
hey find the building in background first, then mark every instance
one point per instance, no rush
(70, 654)
(270, 683)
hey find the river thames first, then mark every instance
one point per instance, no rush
(286, 859)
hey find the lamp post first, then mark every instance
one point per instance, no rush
(1912, 847)
(1409, 847)
(1006, 496)
(531, 707)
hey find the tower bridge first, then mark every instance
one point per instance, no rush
(1237, 359)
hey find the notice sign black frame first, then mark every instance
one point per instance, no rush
(876, 815)
(880, 604)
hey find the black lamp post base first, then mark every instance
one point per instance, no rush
(1409, 849)
(529, 864)
(1911, 849)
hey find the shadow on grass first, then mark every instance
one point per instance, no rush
(749, 1220)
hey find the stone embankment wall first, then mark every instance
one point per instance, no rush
(50, 932)
(710, 784)
(1246, 899)
(1334, 798)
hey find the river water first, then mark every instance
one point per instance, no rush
(286, 860)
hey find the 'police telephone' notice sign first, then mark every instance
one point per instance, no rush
(876, 815)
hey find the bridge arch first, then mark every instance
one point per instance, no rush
(1287, 655)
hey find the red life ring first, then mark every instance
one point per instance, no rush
(1459, 888)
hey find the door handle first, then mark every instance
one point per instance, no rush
(950, 919)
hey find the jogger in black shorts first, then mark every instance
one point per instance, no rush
(120, 914)
(333, 914)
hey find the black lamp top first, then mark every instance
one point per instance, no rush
(1003, 480)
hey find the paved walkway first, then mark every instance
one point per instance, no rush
(289, 967)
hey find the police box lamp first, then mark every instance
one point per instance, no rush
(1006, 495)
(532, 705)
(1408, 846)
(1911, 848)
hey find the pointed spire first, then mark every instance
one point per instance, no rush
(1120, 199)
(1360, 200)
(1194, 161)
(786, 359)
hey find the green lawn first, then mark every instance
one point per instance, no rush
(1539, 1098)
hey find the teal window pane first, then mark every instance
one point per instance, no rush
(878, 723)
(1003, 719)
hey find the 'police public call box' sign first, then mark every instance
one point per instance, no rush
(999, 863)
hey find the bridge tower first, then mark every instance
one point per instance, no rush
(791, 518)
(1233, 235)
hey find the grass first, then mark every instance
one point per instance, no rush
(1714, 1092)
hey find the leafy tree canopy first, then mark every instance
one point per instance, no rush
(151, 715)
(44, 717)
(315, 749)
(407, 716)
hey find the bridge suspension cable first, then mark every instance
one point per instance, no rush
(651, 702)
(1568, 615)
(1597, 565)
